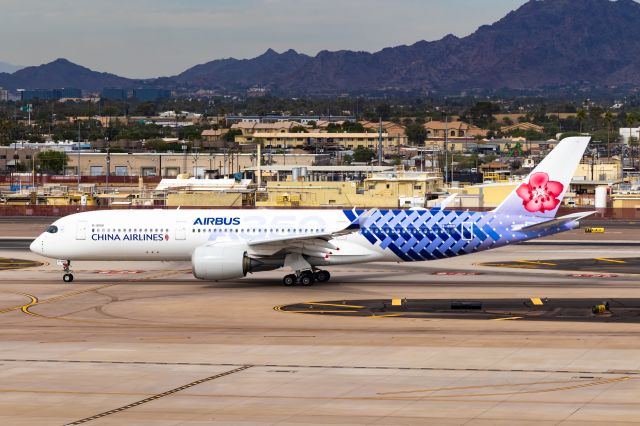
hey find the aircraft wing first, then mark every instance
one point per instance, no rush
(295, 240)
(553, 222)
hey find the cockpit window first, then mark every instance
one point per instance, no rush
(52, 229)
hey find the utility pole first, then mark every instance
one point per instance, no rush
(184, 159)
(380, 143)
(78, 153)
(446, 149)
(108, 164)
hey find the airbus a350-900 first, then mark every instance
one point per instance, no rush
(229, 244)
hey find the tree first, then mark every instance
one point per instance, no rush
(416, 133)
(347, 126)
(481, 114)
(581, 115)
(51, 162)
(383, 111)
(608, 121)
(230, 136)
(146, 109)
(363, 155)
(6, 126)
(156, 145)
(298, 129)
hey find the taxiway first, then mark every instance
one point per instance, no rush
(146, 343)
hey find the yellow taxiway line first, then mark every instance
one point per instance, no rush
(604, 259)
(529, 262)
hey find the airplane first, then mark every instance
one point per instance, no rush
(229, 244)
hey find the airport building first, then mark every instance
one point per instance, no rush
(174, 164)
(387, 189)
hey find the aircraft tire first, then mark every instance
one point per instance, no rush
(322, 276)
(306, 279)
(289, 280)
(67, 278)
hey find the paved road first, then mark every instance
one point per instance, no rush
(15, 243)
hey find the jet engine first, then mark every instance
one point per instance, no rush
(221, 261)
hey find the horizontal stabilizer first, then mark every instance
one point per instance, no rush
(574, 217)
(445, 203)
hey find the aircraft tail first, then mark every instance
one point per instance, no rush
(542, 191)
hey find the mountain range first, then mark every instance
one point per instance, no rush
(544, 43)
(6, 67)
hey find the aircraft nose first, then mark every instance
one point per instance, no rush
(36, 246)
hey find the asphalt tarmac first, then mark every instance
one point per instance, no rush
(146, 343)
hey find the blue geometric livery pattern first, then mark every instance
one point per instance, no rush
(418, 235)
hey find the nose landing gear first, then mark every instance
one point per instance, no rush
(68, 276)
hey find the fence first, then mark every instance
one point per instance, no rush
(26, 180)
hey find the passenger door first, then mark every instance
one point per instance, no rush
(181, 230)
(81, 230)
(467, 231)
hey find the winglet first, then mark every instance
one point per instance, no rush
(366, 215)
(361, 219)
(444, 204)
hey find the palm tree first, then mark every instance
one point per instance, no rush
(608, 120)
(581, 115)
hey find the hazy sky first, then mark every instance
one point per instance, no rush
(150, 38)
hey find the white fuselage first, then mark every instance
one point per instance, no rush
(174, 234)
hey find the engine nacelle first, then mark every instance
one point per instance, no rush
(217, 262)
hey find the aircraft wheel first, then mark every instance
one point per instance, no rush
(289, 280)
(306, 279)
(67, 278)
(322, 276)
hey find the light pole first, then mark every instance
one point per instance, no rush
(184, 160)
(78, 153)
(108, 165)
(446, 149)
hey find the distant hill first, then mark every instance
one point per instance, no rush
(62, 73)
(544, 43)
(9, 68)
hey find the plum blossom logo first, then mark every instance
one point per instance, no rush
(540, 194)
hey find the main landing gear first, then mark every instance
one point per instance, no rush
(306, 278)
(68, 276)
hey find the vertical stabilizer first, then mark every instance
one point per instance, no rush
(542, 191)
